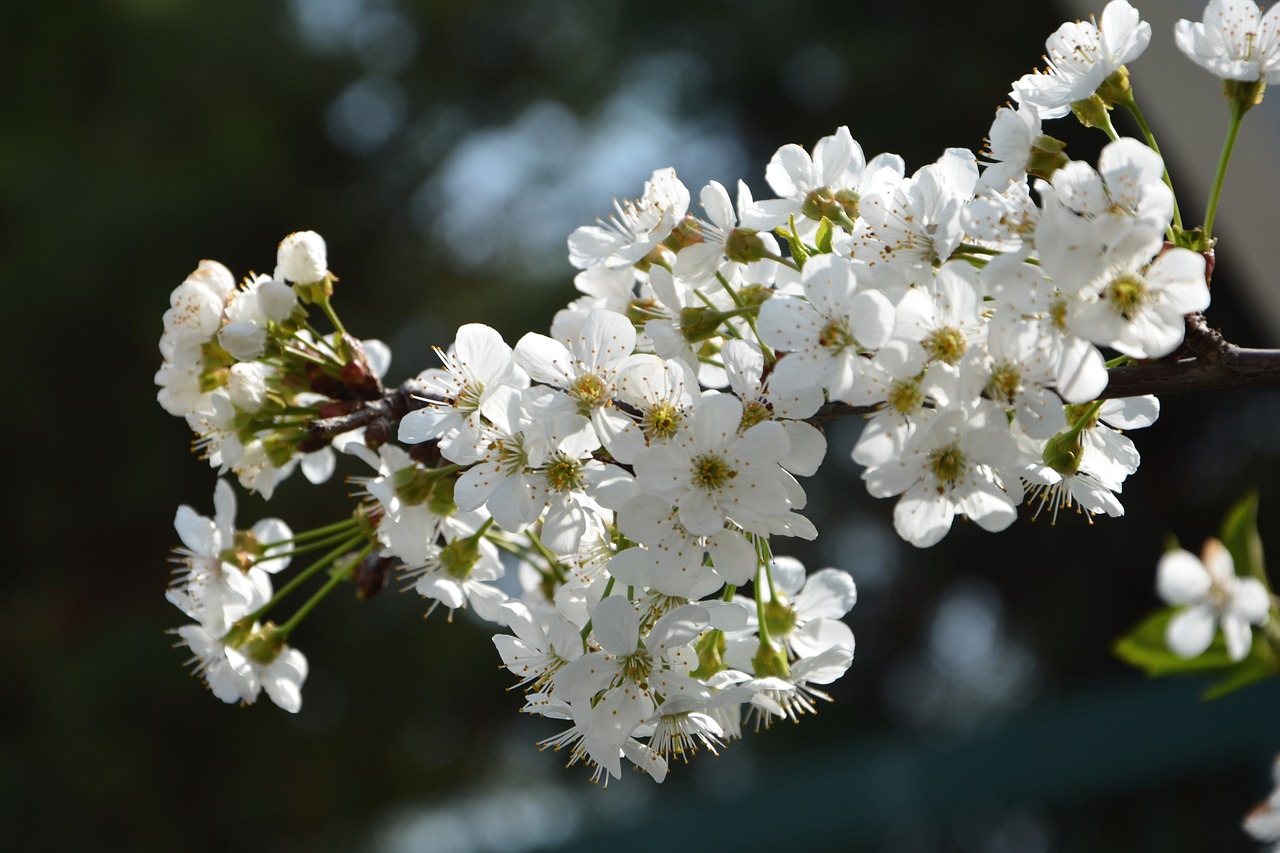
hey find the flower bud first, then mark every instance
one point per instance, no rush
(302, 258)
(277, 300)
(245, 341)
(371, 575)
(247, 385)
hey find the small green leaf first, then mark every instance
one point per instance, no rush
(1145, 648)
(823, 240)
(1240, 535)
(1259, 664)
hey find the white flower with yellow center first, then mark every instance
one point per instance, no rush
(717, 474)
(1234, 41)
(952, 465)
(475, 367)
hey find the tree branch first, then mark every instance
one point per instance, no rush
(1205, 362)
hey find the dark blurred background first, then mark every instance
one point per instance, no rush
(445, 150)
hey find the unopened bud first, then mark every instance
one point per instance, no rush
(302, 258)
(371, 576)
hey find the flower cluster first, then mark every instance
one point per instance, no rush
(610, 494)
(241, 364)
(223, 578)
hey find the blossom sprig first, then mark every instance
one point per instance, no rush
(611, 496)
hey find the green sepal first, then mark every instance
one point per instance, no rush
(1195, 239)
(799, 253)
(823, 241)
(699, 324)
(1091, 112)
(1243, 94)
(1240, 535)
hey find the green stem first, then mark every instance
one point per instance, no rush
(327, 308)
(308, 547)
(586, 629)
(760, 617)
(303, 576)
(769, 357)
(1238, 110)
(317, 532)
(786, 262)
(336, 578)
(1107, 127)
(1131, 104)
(973, 249)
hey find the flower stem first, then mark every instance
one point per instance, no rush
(769, 357)
(303, 576)
(1131, 104)
(1211, 211)
(336, 578)
(319, 532)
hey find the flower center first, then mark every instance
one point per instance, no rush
(835, 336)
(468, 399)
(1127, 294)
(711, 472)
(590, 390)
(563, 474)
(662, 421)
(1005, 382)
(905, 397)
(754, 412)
(946, 344)
(947, 464)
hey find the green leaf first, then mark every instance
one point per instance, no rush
(823, 240)
(1259, 664)
(1240, 535)
(1145, 648)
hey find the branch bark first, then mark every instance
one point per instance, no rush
(1205, 362)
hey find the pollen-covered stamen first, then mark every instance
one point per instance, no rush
(509, 455)
(681, 735)
(754, 412)
(947, 464)
(835, 336)
(1056, 496)
(905, 397)
(1127, 293)
(590, 390)
(468, 399)
(640, 311)
(1005, 382)
(711, 473)
(662, 421)
(635, 668)
(563, 474)
(947, 344)
(1058, 314)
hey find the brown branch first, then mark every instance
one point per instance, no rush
(393, 406)
(1205, 362)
